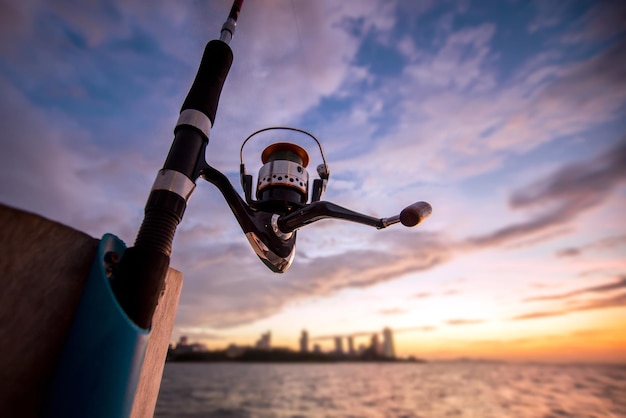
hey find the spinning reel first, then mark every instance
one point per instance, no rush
(282, 190)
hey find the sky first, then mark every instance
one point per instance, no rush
(508, 117)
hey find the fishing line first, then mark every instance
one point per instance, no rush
(300, 42)
(295, 18)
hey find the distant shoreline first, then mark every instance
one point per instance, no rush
(281, 356)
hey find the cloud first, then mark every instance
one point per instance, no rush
(422, 295)
(389, 255)
(540, 238)
(568, 252)
(605, 243)
(619, 283)
(617, 301)
(392, 311)
(604, 20)
(423, 328)
(240, 273)
(497, 118)
(294, 47)
(568, 192)
(464, 321)
(49, 166)
(548, 15)
(201, 333)
(466, 49)
(578, 185)
(72, 151)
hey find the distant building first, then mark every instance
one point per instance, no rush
(375, 345)
(361, 349)
(234, 350)
(389, 350)
(183, 346)
(351, 345)
(317, 348)
(197, 348)
(304, 342)
(338, 345)
(264, 343)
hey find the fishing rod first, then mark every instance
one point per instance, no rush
(100, 364)
(269, 222)
(141, 273)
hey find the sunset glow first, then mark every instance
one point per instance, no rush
(509, 118)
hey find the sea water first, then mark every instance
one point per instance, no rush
(438, 389)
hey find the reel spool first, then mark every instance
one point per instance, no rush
(283, 180)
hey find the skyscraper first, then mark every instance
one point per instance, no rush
(338, 345)
(389, 350)
(351, 345)
(375, 345)
(264, 342)
(304, 342)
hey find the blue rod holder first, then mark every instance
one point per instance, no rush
(99, 368)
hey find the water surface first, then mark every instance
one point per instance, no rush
(478, 390)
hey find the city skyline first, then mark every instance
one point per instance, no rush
(386, 349)
(507, 117)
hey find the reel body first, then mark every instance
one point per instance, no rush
(281, 206)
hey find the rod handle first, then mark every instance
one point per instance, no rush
(204, 94)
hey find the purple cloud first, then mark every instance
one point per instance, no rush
(619, 283)
(604, 243)
(570, 191)
(55, 162)
(616, 301)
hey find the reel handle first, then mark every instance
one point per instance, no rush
(410, 216)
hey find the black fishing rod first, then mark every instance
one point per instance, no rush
(98, 370)
(269, 218)
(269, 222)
(141, 273)
(103, 354)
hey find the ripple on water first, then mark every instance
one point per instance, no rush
(367, 390)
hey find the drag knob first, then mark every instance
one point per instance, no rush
(415, 213)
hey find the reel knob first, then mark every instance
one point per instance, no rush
(415, 213)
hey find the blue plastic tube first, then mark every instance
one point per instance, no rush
(99, 367)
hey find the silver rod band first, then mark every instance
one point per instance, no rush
(280, 234)
(175, 182)
(390, 221)
(197, 119)
(228, 30)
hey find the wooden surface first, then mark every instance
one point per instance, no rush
(163, 322)
(43, 268)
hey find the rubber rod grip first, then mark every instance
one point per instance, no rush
(139, 288)
(205, 91)
(141, 273)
